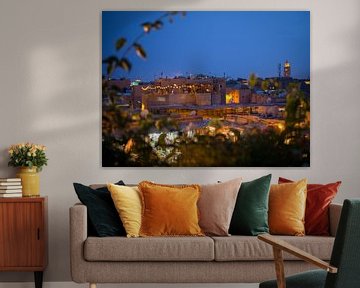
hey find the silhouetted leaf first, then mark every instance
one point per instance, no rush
(183, 13)
(173, 12)
(110, 68)
(111, 62)
(124, 64)
(140, 50)
(120, 43)
(171, 19)
(110, 59)
(158, 25)
(146, 26)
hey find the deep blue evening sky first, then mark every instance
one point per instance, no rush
(213, 43)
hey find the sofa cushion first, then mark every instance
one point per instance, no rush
(250, 215)
(169, 210)
(149, 249)
(318, 199)
(287, 204)
(216, 205)
(127, 201)
(102, 216)
(244, 248)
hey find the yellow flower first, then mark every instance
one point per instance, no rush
(11, 151)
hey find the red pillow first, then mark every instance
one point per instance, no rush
(319, 197)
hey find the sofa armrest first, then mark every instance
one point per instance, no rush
(334, 217)
(78, 235)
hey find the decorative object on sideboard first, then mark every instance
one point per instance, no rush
(10, 187)
(30, 158)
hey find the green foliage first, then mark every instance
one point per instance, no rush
(297, 108)
(124, 64)
(252, 80)
(140, 50)
(157, 25)
(120, 43)
(265, 85)
(27, 155)
(126, 142)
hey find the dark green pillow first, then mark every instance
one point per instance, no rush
(103, 218)
(250, 216)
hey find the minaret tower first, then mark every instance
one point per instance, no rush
(279, 70)
(287, 69)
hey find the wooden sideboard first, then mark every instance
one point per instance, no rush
(23, 235)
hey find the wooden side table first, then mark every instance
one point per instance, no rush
(23, 235)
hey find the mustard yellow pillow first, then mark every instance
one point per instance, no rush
(127, 201)
(169, 210)
(287, 204)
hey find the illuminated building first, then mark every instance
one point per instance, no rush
(245, 95)
(287, 69)
(199, 91)
(121, 84)
(232, 95)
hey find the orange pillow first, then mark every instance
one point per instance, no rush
(287, 204)
(169, 210)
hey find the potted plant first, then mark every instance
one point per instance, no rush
(30, 158)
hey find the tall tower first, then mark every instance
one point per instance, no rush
(279, 70)
(287, 69)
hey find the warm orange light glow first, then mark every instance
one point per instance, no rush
(232, 97)
(281, 126)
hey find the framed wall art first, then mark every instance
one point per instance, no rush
(206, 88)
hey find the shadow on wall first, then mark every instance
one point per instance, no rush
(53, 78)
(57, 66)
(4, 159)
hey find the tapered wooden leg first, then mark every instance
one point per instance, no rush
(38, 275)
(92, 285)
(279, 267)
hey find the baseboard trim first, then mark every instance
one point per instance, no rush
(74, 285)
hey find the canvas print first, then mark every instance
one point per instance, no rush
(205, 88)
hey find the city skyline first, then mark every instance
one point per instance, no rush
(185, 47)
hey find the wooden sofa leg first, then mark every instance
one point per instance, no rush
(92, 285)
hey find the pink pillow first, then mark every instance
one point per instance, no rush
(216, 206)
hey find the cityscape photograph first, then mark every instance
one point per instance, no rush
(206, 89)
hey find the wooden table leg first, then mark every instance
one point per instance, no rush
(38, 279)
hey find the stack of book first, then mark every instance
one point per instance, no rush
(10, 187)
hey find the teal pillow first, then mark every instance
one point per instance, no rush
(250, 216)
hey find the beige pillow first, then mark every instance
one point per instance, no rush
(216, 206)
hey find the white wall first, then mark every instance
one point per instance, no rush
(50, 94)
